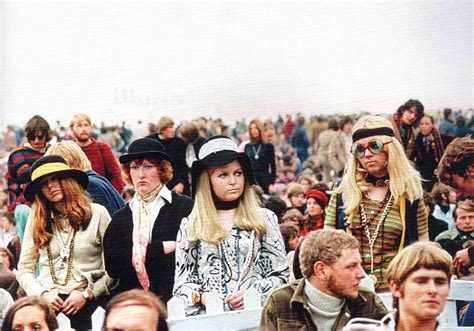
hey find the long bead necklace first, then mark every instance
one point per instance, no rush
(63, 251)
(223, 258)
(372, 238)
(69, 262)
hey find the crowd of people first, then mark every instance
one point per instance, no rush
(304, 211)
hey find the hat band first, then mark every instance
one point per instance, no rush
(364, 133)
(49, 168)
(217, 145)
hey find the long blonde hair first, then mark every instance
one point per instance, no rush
(204, 220)
(77, 206)
(404, 179)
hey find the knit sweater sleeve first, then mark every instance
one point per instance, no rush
(27, 265)
(112, 169)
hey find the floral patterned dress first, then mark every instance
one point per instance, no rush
(239, 262)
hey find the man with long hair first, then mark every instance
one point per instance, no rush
(20, 161)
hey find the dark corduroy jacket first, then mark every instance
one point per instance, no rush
(287, 309)
(118, 243)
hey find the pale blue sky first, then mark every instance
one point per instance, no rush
(133, 61)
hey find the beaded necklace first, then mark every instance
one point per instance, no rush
(225, 260)
(69, 262)
(373, 237)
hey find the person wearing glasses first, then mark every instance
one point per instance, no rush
(380, 198)
(38, 134)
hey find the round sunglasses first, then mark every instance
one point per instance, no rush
(375, 146)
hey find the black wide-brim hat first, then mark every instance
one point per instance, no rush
(52, 165)
(145, 148)
(218, 151)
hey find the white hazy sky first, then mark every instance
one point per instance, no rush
(130, 61)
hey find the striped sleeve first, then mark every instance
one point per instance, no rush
(422, 218)
(330, 219)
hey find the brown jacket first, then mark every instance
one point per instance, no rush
(337, 155)
(287, 309)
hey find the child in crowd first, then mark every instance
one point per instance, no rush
(461, 236)
(306, 180)
(290, 234)
(287, 176)
(296, 197)
(295, 217)
(445, 201)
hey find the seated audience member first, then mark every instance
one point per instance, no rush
(100, 189)
(135, 310)
(435, 226)
(419, 278)
(329, 294)
(295, 217)
(316, 202)
(287, 176)
(7, 278)
(276, 205)
(11, 240)
(305, 180)
(128, 194)
(444, 198)
(30, 313)
(296, 196)
(456, 167)
(462, 236)
(290, 234)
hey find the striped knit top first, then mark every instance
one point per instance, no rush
(387, 243)
(19, 173)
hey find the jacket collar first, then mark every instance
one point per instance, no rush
(299, 298)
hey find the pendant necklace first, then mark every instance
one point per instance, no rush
(372, 238)
(64, 250)
(256, 151)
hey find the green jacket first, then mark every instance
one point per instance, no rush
(287, 309)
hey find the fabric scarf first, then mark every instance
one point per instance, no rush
(41, 150)
(141, 235)
(426, 143)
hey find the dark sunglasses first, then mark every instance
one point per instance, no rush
(375, 146)
(33, 137)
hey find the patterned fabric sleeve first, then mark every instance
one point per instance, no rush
(272, 262)
(330, 219)
(186, 278)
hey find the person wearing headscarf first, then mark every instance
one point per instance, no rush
(380, 198)
(228, 243)
(62, 255)
(140, 242)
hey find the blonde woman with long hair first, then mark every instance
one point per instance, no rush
(64, 235)
(380, 198)
(228, 243)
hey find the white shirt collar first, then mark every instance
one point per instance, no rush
(164, 193)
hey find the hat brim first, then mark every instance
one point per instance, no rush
(218, 160)
(35, 186)
(159, 156)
